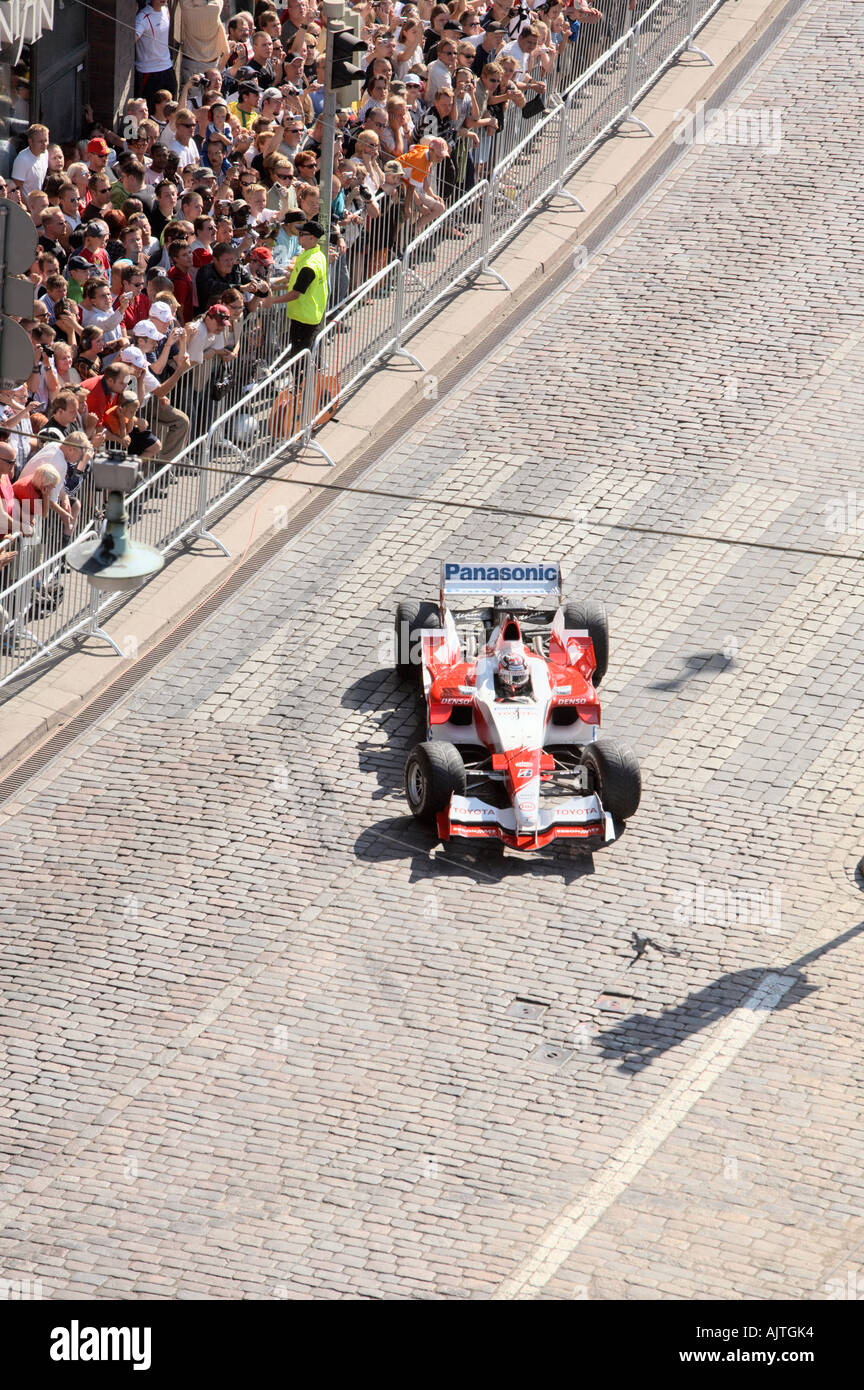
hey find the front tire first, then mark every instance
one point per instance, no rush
(412, 615)
(615, 775)
(433, 773)
(591, 613)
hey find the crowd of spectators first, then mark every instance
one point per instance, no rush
(160, 236)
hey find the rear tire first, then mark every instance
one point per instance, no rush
(433, 773)
(616, 777)
(412, 615)
(591, 613)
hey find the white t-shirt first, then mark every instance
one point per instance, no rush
(31, 169)
(53, 455)
(439, 75)
(200, 341)
(188, 154)
(525, 60)
(410, 61)
(106, 319)
(152, 30)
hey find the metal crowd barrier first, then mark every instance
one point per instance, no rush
(243, 417)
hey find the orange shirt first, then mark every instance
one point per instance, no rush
(416, 164)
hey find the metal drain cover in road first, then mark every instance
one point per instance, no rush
(527, 1008)
(550, 1055)
(611, 1002)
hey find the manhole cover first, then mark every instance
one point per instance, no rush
(550, 1055)
(527, 1008)
(613, 1003)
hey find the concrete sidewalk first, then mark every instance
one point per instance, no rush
(43, 699)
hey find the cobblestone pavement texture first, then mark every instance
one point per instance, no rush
(258, 1040)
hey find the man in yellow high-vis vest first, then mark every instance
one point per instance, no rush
(306, 298)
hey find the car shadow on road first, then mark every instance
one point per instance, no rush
(697, 664)
(637, 1041)
(403, 837)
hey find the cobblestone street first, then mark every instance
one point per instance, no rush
(260, 1034)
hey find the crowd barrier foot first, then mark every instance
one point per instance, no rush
(634, 120)
(691, 48)
(203, 534)
(399, 351)
(100, 632)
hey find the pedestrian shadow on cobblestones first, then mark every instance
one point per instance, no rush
(635, 1042)
(697, 664)
(402, 837)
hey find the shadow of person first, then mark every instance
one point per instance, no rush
(404, 837)
(698, 663)
(635, 1042)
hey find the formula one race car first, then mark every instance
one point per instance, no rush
(512, 711)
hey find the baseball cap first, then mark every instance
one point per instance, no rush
(98, 146)
(95, 228)
(412, 80)
(262, 253)
(160, 312)
(271, 94)
(133, 357)
(147, 329)
(246, 75)
(79, 263)
(311, 229)
(218, 311)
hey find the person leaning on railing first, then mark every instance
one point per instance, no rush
(37, 496)
(419, 165)
(70, 456)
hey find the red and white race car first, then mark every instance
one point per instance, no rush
(512, 711)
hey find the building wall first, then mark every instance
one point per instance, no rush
(112, 58)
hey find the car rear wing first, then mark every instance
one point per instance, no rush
(508, 579)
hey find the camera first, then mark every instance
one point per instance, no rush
(364, 194)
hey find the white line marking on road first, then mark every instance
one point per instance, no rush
(561, 1238)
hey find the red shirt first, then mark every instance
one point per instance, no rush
(24, 491)
(139, 309)
(184, 292)
(100, 259)
(98, 399)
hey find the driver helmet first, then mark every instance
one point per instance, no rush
(513, 671)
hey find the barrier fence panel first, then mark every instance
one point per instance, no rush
(439, 257)
(658, 35)
(522, 180)
(255, 431)
(599, 99)
(239, 414)
(359, 335)
(41, 603)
